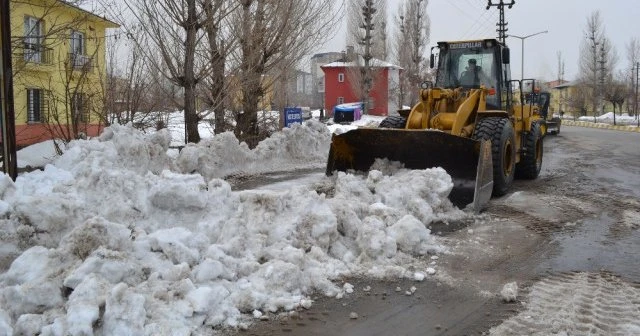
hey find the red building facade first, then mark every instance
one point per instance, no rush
(339, 88)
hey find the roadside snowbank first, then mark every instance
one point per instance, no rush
(113, 239)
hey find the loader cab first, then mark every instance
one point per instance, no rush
(469, 64)
(541, 100)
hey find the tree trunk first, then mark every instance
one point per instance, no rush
(252, 68)
(247, 128)
(217, 67)
(190, 114)
(217, 90)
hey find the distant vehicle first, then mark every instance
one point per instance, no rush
(550, 123)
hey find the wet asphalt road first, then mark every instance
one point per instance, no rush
(581, 216)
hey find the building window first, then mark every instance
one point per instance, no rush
(370, 103)
(78, 56)
(35, 105)
(80, 107)
(340, 100)
(321, 85)
(300, 83)
(33, 39)
(341, 77)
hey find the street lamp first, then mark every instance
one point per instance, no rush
(522, 38)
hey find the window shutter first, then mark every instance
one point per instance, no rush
(46, 98)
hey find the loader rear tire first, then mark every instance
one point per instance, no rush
(531, 159)
(393, 122)
(503, 150)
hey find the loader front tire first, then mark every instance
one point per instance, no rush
(393, 122)
(531, 159)
(503, 150)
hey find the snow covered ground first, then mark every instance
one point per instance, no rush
(607, 118)
(116, 237)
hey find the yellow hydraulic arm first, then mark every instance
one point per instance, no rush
(435, 106)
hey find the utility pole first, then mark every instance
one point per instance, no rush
(7, 115)
(502, 26)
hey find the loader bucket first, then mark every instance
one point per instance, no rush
(467, 161)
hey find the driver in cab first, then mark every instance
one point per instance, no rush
(473, 75)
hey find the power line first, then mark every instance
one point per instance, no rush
(463, 12)
(476, 19)
(486, 25)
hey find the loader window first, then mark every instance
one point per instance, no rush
(456, 68)
(475, 70)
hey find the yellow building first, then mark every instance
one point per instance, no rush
(265, 101)
(573, 98)
(58, 61)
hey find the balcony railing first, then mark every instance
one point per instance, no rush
(81, 62)
(36, 53)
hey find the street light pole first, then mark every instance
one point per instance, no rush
(522, 38)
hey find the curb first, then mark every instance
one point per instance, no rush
(600, 125)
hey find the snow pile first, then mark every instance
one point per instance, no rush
(509, 292)
(37, 155)
(623, 119)
(366, 120)
(110, 239)
(300, 146)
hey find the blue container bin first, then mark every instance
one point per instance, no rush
(349, 112)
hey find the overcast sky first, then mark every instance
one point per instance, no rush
(563, 19)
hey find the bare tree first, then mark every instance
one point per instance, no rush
(615, 92)
(366, 33)
(412, 39)
(380, 47)
(607, 60)
(357, 32)
(633, 58)
(579, 99)
(220, 43)
(588, 59)
(71, 110)
(175, 31)
(271, 34)
(127, 83)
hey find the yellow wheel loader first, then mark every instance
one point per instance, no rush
(468, 123)
(550, 124)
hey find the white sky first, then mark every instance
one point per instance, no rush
(564, 19)
(157, 244)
